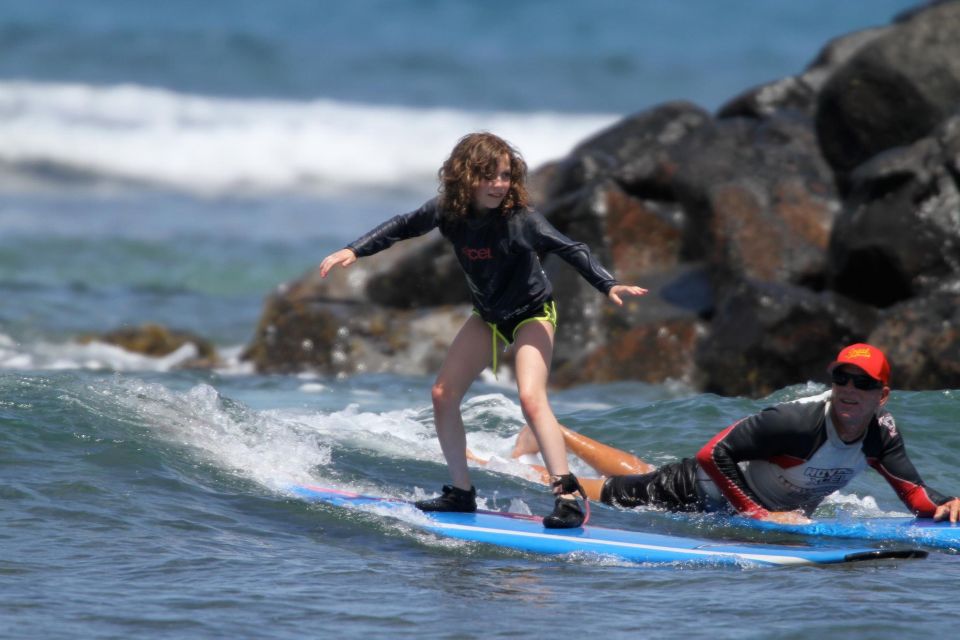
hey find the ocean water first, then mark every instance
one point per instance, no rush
(174, 162)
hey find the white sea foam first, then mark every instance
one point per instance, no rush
(232, 436)
(98, 356)
(281, 447)
(409, 433)
(210, 145)
(852, 506)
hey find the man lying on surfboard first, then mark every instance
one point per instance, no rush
(779, 464)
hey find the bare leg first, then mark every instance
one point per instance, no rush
(534, 342)
(544, 435)
(526, 443)
(467, 357)
(607, 460)
(592, 486)
(534, 353)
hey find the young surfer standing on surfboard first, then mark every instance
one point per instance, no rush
(483, 210)
(779, 464)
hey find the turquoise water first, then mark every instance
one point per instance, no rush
(231, 147)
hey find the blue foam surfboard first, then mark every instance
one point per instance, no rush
(906, 530)
(527, 533)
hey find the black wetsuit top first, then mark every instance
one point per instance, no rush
(498, 254)
(786, 457)
(789, 456)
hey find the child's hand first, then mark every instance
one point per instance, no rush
(624, 290)
(344, 258)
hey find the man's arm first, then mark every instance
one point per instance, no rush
(719, 458)
(784, 434)
(887, 454)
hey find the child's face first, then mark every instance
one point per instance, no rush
(491, 191)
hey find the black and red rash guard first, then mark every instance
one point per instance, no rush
(790, 457)
(498, 254)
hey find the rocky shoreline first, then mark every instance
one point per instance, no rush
(805, 214)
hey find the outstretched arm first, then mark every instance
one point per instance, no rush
(542, 237)
(618, 290)
(344, 258)
(407, 225)
(895, 466)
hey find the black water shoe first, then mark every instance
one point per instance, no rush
(452, 499)
(567, 514)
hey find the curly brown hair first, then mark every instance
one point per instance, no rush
(475, 158)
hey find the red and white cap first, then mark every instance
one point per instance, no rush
(868, 358)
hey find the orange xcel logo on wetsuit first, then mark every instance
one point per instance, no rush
(478, 254)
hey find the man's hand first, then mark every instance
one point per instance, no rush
(786, 517)
(949, 510)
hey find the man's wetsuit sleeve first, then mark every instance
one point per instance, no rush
(544, 238)
(719, 459)
(407, 225)
(887, 454)
(764, 436)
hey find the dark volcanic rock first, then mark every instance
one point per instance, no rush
(345, 338)
(651, 338)
(158, 341)
(900, 231)
(417, 272)
(766, 336)
(799, 93)
(649, 352)
(641, 242)
(428, 277)
(359, 319)
(635, 152)
(921, 337)
(759, 199)
(893, 91)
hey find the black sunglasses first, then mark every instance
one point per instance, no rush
(862, 382)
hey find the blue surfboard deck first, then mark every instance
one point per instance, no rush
(906, 530)
(527, 533)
